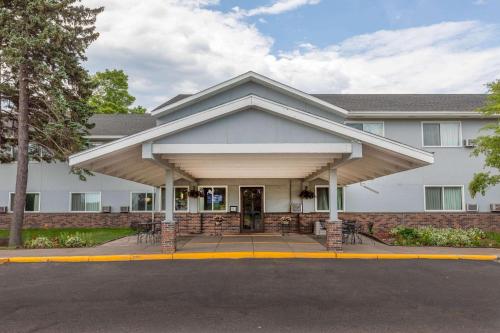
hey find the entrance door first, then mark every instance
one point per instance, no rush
(252, 202)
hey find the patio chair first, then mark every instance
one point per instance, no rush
(143, 232)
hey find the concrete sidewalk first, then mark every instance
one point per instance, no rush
(252, 243)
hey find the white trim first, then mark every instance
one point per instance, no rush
(200, 210)
(250, 148)
(442, 199)
(263, 196)
(104, 137)
(187, 209)
(418, 114)
(316, 197)
(367, 122)
(84, 211)
(460, 143)
(255, 101)
(243, 78)
(142, 211)
(9, 207)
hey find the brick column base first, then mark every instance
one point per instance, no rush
(168, 237)
(334, 235)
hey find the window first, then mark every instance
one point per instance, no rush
(370, 127)
(323, 198)
(32, 202)
(443, 198)
(181, 200)
(142, 201)
(444, 134)
(214, 199)
(86, 202)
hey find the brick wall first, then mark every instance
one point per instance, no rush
(272, 222)
(196, 223)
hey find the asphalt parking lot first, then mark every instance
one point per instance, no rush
(251, 295)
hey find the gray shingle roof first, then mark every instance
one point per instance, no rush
(393, 102)
(405, 102)
(121, 124)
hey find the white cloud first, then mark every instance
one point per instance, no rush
(278, 7)
(171, 47)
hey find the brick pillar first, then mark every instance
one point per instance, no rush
(168, 237)
(334, 235)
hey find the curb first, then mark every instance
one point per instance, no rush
(246, 255)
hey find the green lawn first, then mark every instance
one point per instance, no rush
(96, 235)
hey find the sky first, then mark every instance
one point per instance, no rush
(169, 47)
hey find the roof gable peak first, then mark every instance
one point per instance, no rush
(249, 76)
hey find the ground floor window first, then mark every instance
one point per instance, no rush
(181, 200)
(32, 202)
(142, 201)
(443, 198)
(214, 198)
(323, 198)
(86, 202)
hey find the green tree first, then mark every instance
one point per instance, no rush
(488, 144)
(43, 86)
(111, 93)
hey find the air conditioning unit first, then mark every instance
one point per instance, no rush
(471, 207)
(3, 210)
(469, 143)
(124, 209)
(495, 207)
(106, 209)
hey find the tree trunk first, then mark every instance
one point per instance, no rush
(16, 226)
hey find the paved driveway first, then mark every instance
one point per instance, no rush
(251, 295)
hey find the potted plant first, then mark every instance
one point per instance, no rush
(306, 194)
(285, 220)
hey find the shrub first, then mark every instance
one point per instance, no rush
(39, 243)
(75, 240)
(430, 236)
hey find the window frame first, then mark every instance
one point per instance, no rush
(142, 211)
(86, 211)
(316, 197)
(460, 143)
(26, 211)
(442, 196)
(213, 211)
(187, 208)
(347, 122)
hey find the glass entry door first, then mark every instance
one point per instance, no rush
(252, 202)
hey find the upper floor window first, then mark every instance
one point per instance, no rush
(86, 202)
(444, 197)
(441, 134)
(323, 198)
(32, 202)
(214, 198)
(368, 126)
(142, 201)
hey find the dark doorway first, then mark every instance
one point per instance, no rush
(252, 202)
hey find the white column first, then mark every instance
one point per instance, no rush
(334, 216)
(169, 195)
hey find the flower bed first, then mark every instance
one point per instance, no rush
(430, 236)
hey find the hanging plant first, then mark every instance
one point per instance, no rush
(194, 193)
(306, 194)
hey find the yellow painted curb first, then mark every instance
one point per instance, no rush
(245, 255)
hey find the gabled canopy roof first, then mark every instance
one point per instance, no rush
(124, 157)
(171, 105)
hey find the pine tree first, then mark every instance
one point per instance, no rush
(44, 89)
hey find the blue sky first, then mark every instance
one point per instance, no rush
(329, 46)
(331, 21)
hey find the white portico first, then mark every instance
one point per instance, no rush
(246, 138)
